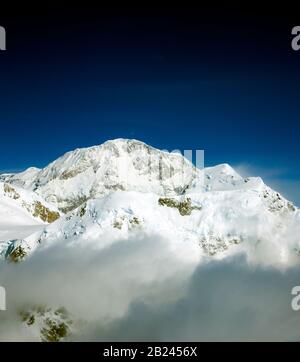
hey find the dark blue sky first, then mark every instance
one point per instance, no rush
(226, 81)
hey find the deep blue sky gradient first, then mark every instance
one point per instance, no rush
(226, 81)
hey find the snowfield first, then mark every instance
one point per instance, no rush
(105, 227)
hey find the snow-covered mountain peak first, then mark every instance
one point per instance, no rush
(223, 168)
(131, 165)
(120, 164)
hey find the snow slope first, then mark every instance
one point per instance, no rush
(21, 209)
(209, 224)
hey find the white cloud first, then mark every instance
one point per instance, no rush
(225, 301)
(140, 289)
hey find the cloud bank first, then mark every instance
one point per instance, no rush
(144, 289)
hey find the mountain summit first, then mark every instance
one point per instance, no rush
(124, 165)
(88, 173)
